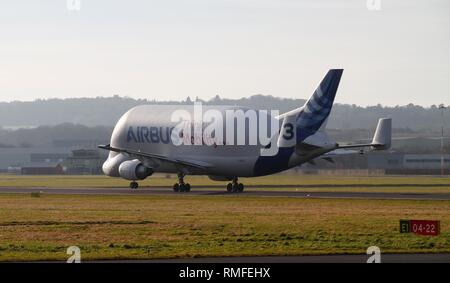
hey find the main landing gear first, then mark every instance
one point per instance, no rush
(134, 185)
(181, 186)
(235, 187)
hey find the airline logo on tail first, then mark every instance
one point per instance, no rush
(318, 107)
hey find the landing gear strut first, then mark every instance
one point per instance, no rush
(134, 185)
(181, 186)
(234, 186)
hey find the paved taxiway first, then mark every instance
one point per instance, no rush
(358, 258)
(362, 258)
(217, 192)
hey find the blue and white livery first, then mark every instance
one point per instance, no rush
(140, 143)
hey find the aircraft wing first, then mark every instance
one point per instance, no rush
(157, 157)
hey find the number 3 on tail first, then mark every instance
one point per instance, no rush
(289, 131)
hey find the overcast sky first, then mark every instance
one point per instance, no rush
(234, 48)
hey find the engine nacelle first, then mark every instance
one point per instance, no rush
(111, 165)
(134, 170)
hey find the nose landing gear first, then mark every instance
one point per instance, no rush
(181, 186)
(235, 187)
(134, 185)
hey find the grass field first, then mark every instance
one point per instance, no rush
(418, 184)
(131, 227)
(183, 225)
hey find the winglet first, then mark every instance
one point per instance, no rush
(382, 137)
(108, 147)
(104, 146)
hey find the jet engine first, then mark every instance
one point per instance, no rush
(134, 170)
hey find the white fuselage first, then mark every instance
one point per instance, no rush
(147, 129)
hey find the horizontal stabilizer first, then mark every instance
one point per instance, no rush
(381, 139)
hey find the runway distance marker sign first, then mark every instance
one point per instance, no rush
(421, 227)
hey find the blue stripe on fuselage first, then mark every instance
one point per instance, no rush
(266, 165)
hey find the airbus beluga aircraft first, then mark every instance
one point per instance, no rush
(151, 138)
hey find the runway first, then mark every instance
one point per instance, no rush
(359, 258)
(297, 193)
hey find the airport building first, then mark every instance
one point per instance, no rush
(44, 168)
(13, 159)
(61, 157)
(381, 163)
(422, 164)
(85, 162)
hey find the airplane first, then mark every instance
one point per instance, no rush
(141, 143)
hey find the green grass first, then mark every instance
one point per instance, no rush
(133, 227)
(417, 184)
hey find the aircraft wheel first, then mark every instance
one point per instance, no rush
(176, 187)
(134, 185)
(240, 187)
(229, 187)
(187, 187)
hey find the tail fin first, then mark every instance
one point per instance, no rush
(318, 106)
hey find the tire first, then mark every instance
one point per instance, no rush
(182, 188)
(187, 187)
(134, 185)
(176, 188)
(240, 187)
(229, 187)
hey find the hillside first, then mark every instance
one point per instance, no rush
(105, 111)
